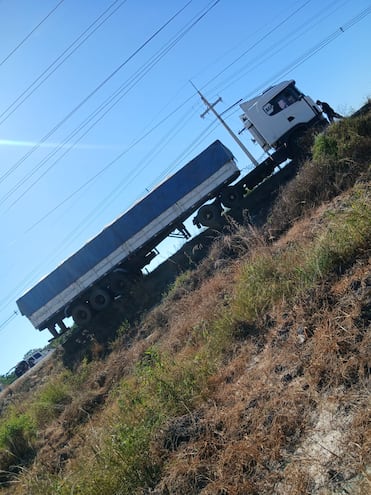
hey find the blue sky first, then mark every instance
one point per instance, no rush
(96, 107)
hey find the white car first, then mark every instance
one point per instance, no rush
(35, 358)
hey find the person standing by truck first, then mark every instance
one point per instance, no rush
(329, 111)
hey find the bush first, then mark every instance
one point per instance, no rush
(324, 147)
(341, 156)
(51, 401)
(270, 277)
(17, 434)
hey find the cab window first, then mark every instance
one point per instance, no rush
(281, 101)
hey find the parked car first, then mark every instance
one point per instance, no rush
(35, 358)
(21, 368)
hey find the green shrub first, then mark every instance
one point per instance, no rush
(347, 235)
(349, 139)
(341, 156)
(51, 400)
(270, 277)
(324, 147)
(16, 435)
(267, 279)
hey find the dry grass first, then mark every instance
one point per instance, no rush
(251, 377)
(340, 158)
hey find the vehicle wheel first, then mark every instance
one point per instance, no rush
(230, 196)
(99, 299)
(296, 145)
(81, 314)
(210, 215)
(120, 283)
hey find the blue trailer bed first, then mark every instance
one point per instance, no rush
(145, 224)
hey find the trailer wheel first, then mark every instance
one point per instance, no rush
(230, 196)
(81, 314)
(210, 215)
(99, 299)
(120, 283)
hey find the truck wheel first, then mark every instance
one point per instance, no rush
(294, 145)
(81, 314)
(120, 283)
(99, 299)
(230, 196)
(210, 215)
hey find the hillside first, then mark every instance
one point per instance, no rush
(249, 376)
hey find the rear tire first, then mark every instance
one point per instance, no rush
(120, 283)
(81, 314)
(99, 299)
(210, 215)
(230, 196)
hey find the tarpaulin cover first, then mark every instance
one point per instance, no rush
(124, 227)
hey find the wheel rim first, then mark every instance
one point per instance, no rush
(119, 283)
(99, 299)
(209, 215)
(229, 197)
(81, 314)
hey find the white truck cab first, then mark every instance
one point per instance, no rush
(278, 113)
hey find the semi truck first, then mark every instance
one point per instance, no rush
(106, 266)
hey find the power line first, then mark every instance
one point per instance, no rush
(92, 93)
(111, 163)
(107, 105)
(31, 33)
(277, 47)
(315, 49)
(8, 320)
(254, 45)
(60, 60)
(349, 24)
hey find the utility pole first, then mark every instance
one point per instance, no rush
(212, 109)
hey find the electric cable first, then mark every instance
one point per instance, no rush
(254, 45)
(60, 60)
(110, 102)
(92, 93)
(8, 320)
(60, 204)
(329, 39)
(2, 62)
(273, 50)
(68, 150)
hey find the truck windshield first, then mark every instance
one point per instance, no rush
(282, 100)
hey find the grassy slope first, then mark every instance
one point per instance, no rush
(249, 378)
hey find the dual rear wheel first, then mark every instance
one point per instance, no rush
(230, 196)
(99, 300)
(120, 283)
(210, 215)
